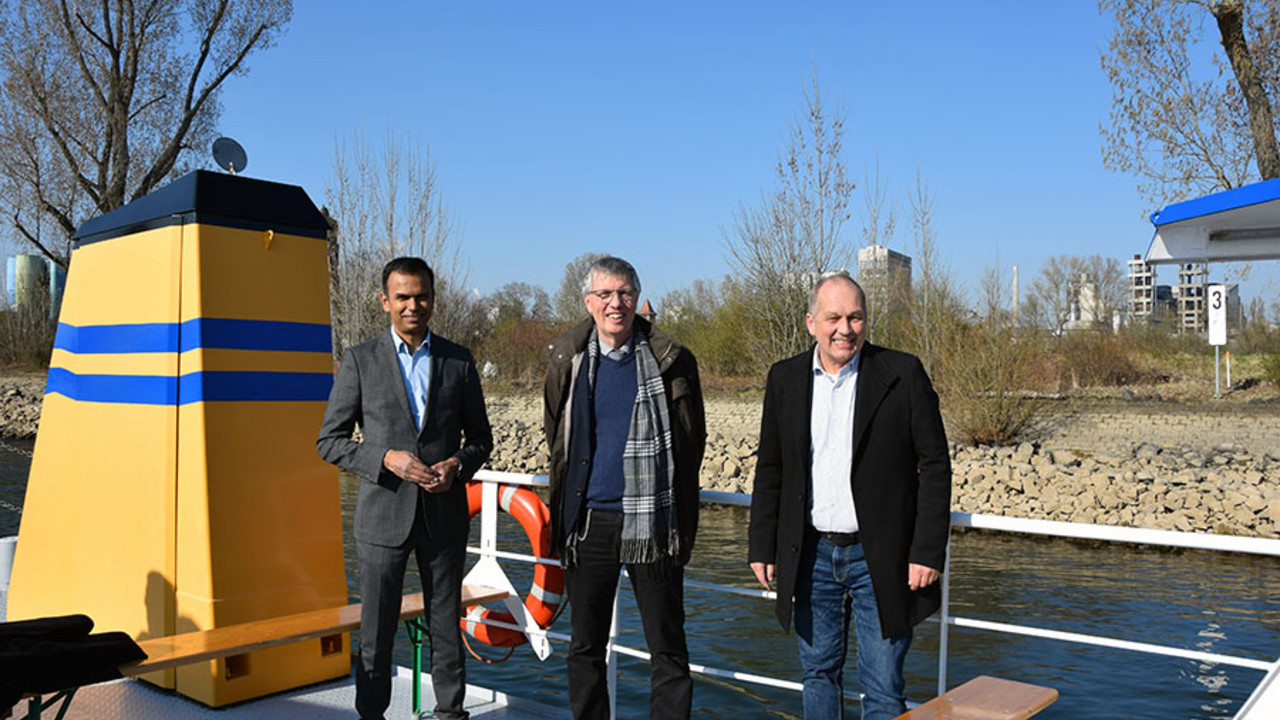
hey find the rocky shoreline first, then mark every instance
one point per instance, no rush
(1171, 467)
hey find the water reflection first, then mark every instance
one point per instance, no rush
(1215, 603)
(15, 463)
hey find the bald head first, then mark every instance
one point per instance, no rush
(835, 276)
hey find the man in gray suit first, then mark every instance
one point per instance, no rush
(417, 400)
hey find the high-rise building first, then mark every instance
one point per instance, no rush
(885, 276)
(1189, 296)
(1142, 289)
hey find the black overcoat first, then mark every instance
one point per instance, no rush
(901, 476)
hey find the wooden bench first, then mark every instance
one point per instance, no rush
(165, 653)
(985, 698)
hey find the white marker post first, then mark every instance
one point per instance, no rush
(1216, 302)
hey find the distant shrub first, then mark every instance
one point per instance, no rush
(1098, 360)
(517, 351)
(986, 379)
(1271, 368)
(710, 320)
(1159, 341)
(26, 336)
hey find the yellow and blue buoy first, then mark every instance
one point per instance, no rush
(175, 484)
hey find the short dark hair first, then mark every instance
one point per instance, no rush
(409, 266)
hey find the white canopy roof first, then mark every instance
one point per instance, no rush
(1233, 225)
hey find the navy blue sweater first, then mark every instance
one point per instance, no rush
(614, 398)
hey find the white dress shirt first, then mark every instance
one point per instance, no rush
(831, 447)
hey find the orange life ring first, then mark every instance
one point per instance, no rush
(548, 580)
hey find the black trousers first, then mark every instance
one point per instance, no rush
(381, 586)
(659, 587)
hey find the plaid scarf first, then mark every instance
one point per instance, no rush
(648, 501)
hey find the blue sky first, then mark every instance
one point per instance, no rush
(637, 129)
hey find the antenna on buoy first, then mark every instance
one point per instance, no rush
(228, 155)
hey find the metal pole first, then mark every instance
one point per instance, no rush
(944, 615)
(1217, 367)
(611, 657)
(416, 632)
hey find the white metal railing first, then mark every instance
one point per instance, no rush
(1047, 528)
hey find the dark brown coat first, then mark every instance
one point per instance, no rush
(680, 380)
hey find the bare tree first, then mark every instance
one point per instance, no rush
(878, 221)
(995, 295)
(883, 293)
(386, 203)
(568, 305)
(1110, 292)
(778, 248)
(518, 302)
(1070, 285)
(1187, 129)
(1052, 293)
(936, 307)
(711, 319)
(104, 100)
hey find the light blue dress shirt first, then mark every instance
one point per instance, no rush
(831, 446)
(415, 370)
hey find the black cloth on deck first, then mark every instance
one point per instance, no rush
(51, 654)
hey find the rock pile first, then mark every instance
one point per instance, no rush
(1130, 469)
(518, 446)
(1224, 488)
(20, 400)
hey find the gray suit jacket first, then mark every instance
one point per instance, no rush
(369, 391)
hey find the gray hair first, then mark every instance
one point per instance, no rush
(613, 266)
(832, 275)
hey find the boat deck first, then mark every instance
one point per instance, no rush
(334, 700)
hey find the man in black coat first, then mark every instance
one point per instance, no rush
(851, 505)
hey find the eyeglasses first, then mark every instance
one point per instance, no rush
(627, 296)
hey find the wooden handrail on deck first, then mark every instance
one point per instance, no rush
(985, 698)
(173, 651)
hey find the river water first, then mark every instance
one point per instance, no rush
(1217, 603)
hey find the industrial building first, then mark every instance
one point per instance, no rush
(885, 277)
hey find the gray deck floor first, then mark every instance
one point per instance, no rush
(137, 700)
(334, 700)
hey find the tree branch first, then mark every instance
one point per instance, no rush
(1230, 17)
(164, 162)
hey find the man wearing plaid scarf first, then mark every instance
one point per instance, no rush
(625, 426)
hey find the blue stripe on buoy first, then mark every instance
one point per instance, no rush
(212, 386)
(246, 386)
(104, 339)
(199, 333)
(274, 335)
(127, 389)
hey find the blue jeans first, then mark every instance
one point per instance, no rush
(832, 581)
